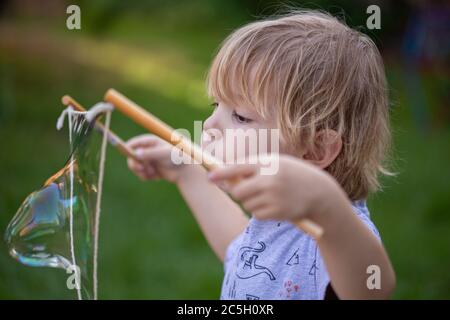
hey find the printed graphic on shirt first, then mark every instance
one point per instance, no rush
(312, 271)
(251, 268)
(289, 289)
(232, 291)
(294, 259)
(251, 297)
(314, 268)
(227, 278)
(282, 252)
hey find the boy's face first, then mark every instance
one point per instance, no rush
(237, 132)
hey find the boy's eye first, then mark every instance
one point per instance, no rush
(214, 104)
(240, 118)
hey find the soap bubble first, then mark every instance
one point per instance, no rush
(55, 225)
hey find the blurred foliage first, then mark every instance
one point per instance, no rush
(157, 53)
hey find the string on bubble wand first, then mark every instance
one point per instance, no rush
(71, 168)
(90, 116)
(111, 137)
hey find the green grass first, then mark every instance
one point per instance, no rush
(150, 245)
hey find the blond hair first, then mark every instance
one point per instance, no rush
(312, 72)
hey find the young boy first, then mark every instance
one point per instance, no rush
(323, 86)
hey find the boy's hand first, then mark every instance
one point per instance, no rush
(295, 191)
(155, 159)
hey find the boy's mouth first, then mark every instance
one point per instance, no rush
(207, 138)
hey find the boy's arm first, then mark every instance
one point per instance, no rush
(219, 217)
(348, 248)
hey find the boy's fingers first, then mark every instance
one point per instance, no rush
(143, 172)
(139, 171)
(145, 140)
(246, 188)
(140, 174)
(263, 212)
(254, 203)
(153, 176)
(149, 171)
(134, 165)
(152, 154)
(233, 171)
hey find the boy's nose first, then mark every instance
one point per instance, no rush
(212, 128)
(212, 122)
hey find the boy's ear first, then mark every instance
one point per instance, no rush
(327, 146)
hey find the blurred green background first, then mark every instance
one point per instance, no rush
(158, 53)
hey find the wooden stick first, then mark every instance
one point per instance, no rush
(165, 132)
(114, 139)
(160, 129)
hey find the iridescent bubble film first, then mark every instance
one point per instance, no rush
(54, 226)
